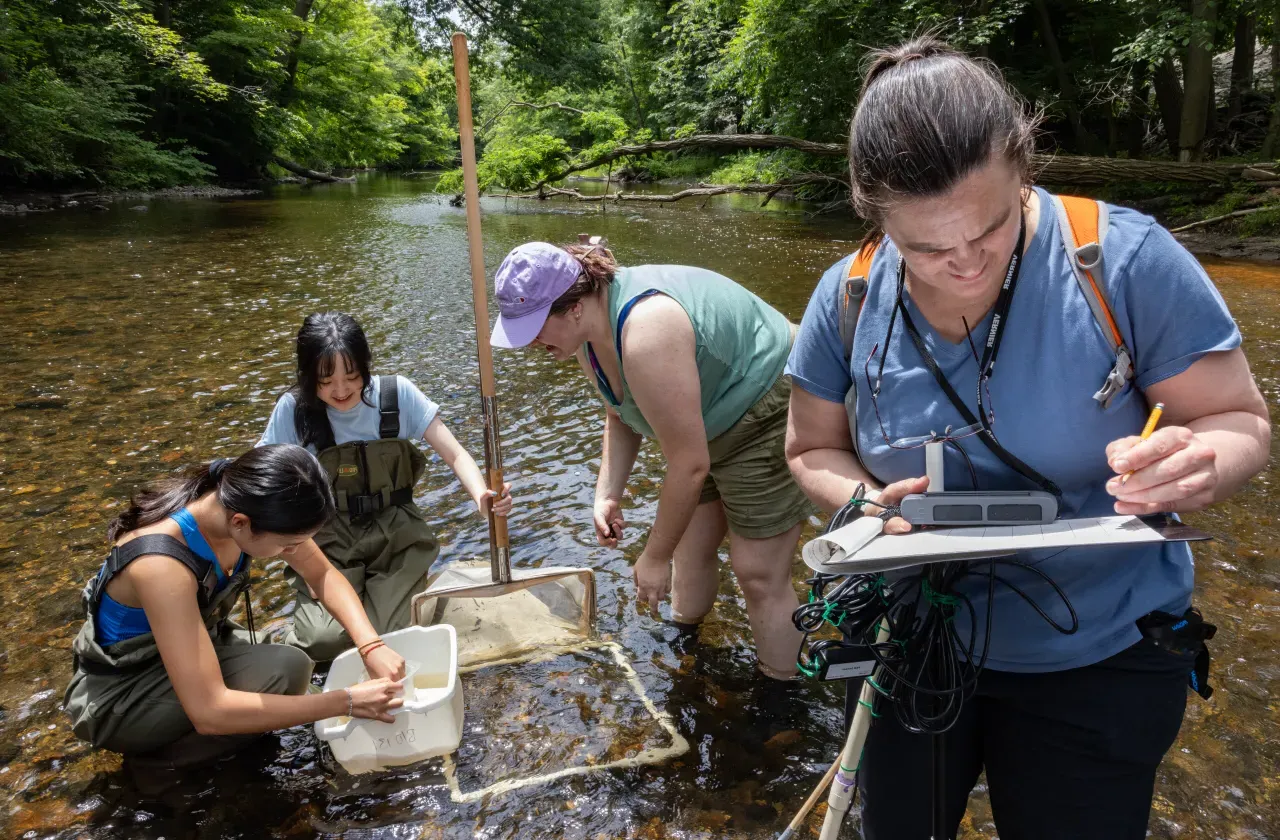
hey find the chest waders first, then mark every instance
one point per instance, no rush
(121, 698)
(378, 539)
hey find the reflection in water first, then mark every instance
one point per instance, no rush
(141, 342)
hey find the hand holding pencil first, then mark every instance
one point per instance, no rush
(1161, 470)
(1146, 433)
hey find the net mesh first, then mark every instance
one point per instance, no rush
(539, 610)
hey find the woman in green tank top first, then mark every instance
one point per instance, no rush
(693, 360)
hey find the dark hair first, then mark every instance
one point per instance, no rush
(281, 488)
(928, 116)
(598, 268)
(325, 338)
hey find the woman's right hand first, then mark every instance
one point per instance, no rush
(891, 496)
(374, 699)
(609, 522)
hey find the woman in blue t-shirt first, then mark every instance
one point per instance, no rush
(362, 429)
(969, 255)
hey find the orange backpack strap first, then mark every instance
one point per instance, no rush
(854, 291)
(1083, 223)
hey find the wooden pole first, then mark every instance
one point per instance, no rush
(499, 543)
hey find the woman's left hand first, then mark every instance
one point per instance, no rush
(501, 504)
(383, 662)
(1173, 470)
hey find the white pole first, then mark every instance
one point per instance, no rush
(841, 796)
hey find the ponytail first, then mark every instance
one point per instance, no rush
(281, 488)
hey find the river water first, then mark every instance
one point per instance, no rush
(137, 342)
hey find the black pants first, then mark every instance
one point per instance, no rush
(1071, 754)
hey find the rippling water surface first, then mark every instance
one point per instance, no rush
(141, 341)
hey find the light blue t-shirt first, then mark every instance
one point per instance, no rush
(1053, 357)
(359, 422)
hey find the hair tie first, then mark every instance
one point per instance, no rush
(217, 467)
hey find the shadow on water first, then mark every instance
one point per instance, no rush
(138, 342)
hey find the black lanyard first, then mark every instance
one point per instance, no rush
(999, 320)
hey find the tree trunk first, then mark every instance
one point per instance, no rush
(1242, 63)
(642, 118)
(163, 15)
(1272, 144)
(1061, 169)
(1136, 128)
(1168, 88)
(1084, 142)
(299, 169)
(1199, 80)
(301, 10)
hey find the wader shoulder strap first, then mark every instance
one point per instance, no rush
(1083, 223)
(853, 293)
(123, 555)
(388, 406)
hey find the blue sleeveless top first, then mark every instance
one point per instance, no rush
(117, 622)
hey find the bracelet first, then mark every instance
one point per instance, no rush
(350, 702)
(372, 648)
(369, 644)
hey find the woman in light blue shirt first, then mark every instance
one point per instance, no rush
(362, 428)
(968, 254)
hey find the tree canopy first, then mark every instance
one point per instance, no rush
(125, 93)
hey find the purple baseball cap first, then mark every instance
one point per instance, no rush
(529, 280)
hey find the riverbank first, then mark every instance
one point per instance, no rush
(21, 203)
(1233, 239)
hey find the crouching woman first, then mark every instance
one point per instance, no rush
(161, 675)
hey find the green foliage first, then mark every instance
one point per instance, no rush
(513, 164)
(751, 168)
(123, 93)
(163, 48)
(1259, 223)
(77, 120)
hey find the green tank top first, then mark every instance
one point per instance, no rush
(741, 342)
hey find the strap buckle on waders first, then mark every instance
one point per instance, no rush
(367, 505)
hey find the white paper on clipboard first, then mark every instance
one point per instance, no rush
(859, 547)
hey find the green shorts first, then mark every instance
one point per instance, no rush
(749, 472)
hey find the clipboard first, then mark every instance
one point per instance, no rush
(860, 548)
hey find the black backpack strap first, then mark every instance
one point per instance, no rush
(325, 439)
(388, 406)
(123, 555)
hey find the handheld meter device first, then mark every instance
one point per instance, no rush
(959, 509)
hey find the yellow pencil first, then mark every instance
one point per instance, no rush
(1156, 411)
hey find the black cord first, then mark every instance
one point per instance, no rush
(927, 669)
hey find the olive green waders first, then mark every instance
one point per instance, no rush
(378, 540)
(121, 698)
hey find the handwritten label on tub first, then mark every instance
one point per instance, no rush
(408, 736)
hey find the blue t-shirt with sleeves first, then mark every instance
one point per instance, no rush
(1053, 357)
(360, 422)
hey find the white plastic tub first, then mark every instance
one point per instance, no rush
(430, 722)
